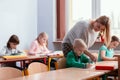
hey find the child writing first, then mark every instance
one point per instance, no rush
(11, 49)
(76, 57)
(39, 45)
(106, 53)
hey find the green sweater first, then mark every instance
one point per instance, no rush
(76, 61)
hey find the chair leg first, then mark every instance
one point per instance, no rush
(26, 72)
(56, 65)
(49, 60)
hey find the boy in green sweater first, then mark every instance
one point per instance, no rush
(76, 57)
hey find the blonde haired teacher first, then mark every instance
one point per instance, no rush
(87, 31)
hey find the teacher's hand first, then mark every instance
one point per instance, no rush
(93, 58)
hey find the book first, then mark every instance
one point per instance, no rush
(105, 65)
(15, 56)
(100, 67)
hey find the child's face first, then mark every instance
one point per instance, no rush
(79, 50)
(13, 45)
(114, 44)
(43, 40)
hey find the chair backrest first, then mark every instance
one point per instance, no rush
(37, 67)
(61, 63)
(9, 72)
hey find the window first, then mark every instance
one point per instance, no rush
(111, 8)
(79, 10)
(87, 9)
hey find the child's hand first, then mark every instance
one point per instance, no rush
(90, 65)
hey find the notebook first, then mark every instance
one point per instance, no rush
(15, 56)
(55, 53)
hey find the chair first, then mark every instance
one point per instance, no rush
(37, 67)
(9, 72)
(113, 74)
(61, 63)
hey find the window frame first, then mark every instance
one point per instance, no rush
(64, 15)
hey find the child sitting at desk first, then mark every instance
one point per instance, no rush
(39, 45)
(11, 49)
(106, 53)
(77, 58)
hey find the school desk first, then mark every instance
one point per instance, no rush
(22, 59)
(6, 59)
(70, 73)
(55, 54)
(118, 55)
(63, 74)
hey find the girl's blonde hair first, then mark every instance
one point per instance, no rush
(78, 43)
(104, 20)
(41, 35)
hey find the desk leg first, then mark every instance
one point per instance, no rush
(118, 68)
(56, 65)
(49, 60)
(24, 68)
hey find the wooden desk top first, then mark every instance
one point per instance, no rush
(117, 55)
(28, 57)
(63, 74)
(69, 73)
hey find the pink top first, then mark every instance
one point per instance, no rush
(37, 48)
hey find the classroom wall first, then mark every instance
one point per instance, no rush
(18, 17)
(47, 19)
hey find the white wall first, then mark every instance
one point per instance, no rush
(47, 19)
(27, 18)
(18, 17)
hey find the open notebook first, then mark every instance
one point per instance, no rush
(55, 53)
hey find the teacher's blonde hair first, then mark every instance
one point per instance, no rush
(104, 20)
